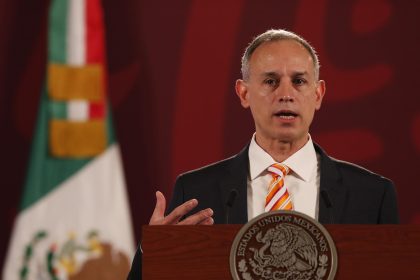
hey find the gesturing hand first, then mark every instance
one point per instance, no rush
(204, 217)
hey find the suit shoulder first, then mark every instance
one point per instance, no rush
(212, 169)
(350, 172)
(357, 172)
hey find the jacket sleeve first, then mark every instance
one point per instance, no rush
(177, 196)
(136, 267)
(389, 208)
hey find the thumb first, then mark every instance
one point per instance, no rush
(159, 212)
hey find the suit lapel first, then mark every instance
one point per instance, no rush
(333, 194)
(331, 188)
(236, 178)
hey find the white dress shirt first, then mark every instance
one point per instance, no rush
(302, 182)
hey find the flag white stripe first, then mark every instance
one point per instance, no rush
(92, 199)
(76, 33)
(77, 110)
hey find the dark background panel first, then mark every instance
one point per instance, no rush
(172, 68)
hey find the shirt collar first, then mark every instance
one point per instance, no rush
(259, 160)
(302, 163)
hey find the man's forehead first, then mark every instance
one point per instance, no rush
(272, 57)
(286, 48)
(276, 74)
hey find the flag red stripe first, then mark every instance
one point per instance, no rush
(96, 110)
(95, 43)
(95, 38)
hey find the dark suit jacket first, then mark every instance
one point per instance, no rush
(349, 194)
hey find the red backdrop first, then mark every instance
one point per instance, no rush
(172, 68)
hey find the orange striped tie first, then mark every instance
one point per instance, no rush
(278, 197)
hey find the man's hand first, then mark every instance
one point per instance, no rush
(204, 217)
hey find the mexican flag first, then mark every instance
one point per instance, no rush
(74, 220)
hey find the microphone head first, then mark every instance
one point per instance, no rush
(326, 198)
(231, 198)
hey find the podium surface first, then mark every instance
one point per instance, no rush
(202, 252)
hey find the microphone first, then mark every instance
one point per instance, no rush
(329, 205)
(229, 203)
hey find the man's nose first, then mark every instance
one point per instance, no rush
(285, 92)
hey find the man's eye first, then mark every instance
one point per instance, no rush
(270, 82)
(299, 81)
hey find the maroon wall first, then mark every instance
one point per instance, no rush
(172, 68)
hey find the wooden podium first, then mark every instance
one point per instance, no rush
(202, 252)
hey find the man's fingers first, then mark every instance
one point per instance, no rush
(159, 212)
(179, 212)
(203, 216)
(207, 222)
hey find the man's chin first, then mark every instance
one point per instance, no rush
(290, 137)
(286, 135)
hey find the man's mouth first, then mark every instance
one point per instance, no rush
(286, 114)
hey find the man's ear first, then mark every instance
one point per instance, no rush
(320, 92)
(242, 92)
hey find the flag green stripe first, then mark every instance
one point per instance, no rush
(45, 173)
(58, 110)
(57, 31)
(110, 126)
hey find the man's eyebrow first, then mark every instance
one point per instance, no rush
(270, 74)
(300, 73)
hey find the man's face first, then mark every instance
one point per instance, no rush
(281, 91)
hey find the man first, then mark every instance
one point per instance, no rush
(280, 84)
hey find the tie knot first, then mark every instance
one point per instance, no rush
(279, 169)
